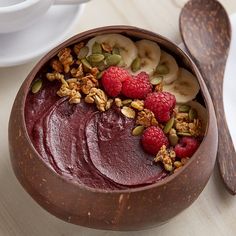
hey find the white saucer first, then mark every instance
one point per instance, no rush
(53, 28)
(230, 84)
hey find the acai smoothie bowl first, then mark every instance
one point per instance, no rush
(114, 129)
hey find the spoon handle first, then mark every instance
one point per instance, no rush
(226, 156)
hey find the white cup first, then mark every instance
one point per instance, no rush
(17, 15)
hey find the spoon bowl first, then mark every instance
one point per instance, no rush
(206, 32)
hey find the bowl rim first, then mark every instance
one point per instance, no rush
(18, 6)
(99, 30)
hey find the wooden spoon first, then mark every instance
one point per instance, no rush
(206, 32)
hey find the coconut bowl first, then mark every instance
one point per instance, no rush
(130, 209)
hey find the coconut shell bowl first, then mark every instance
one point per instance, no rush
(133, 208)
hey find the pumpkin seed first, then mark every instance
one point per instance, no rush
(156, 81)
(116, 51)
(136, 64)
(168, 167)
(101, 65)
(122, 63)
(86, 64)
(36, 86)
(83, 52)
(113, 60)
(162, 69)
(126, 101)
(184, 108)
(184, 134)
(96, 48)
(106, 54)
(128, 112)
(192, 114)
(173, 138)
(99, 76)
(138, 130)
(95, 58)
(169, 125)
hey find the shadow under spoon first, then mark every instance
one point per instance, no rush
(206, 31)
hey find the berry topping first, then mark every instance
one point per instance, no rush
(112, 85)
(161, 104)
(112, 79)
(118, 72)
(137, 87)
(186, 147)
(153, 139)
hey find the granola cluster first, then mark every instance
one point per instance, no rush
(146, 118)
(66, 59)
(74, 80)
(167, 157)
(188, 124)
(98, 97)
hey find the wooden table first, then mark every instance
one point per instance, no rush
(213, 213)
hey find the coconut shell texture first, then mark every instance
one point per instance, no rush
(131, 209)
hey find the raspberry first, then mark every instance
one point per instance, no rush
(112, 85)
(153, 139)
(186, 147)
(112, 79)
(161, 104)
(137, 87)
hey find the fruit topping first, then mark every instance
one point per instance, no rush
(153, 139)
(127, 49)
(161, 104)
(149, 54)
(186, 147)
(185, 88)
(137, 87)
(167, 69)
(112, 79)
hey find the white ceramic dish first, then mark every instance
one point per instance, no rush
(53, 28)
(230, 84)
(22, 14)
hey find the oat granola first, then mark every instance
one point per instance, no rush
(146, 118)
(66, 59)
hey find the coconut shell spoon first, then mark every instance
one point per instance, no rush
(206, 32)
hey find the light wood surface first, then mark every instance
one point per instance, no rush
(213, 213)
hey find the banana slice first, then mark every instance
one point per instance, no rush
(202, 113)
(126, 46)
(171, 67)
(185, 87)
(149, 54)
